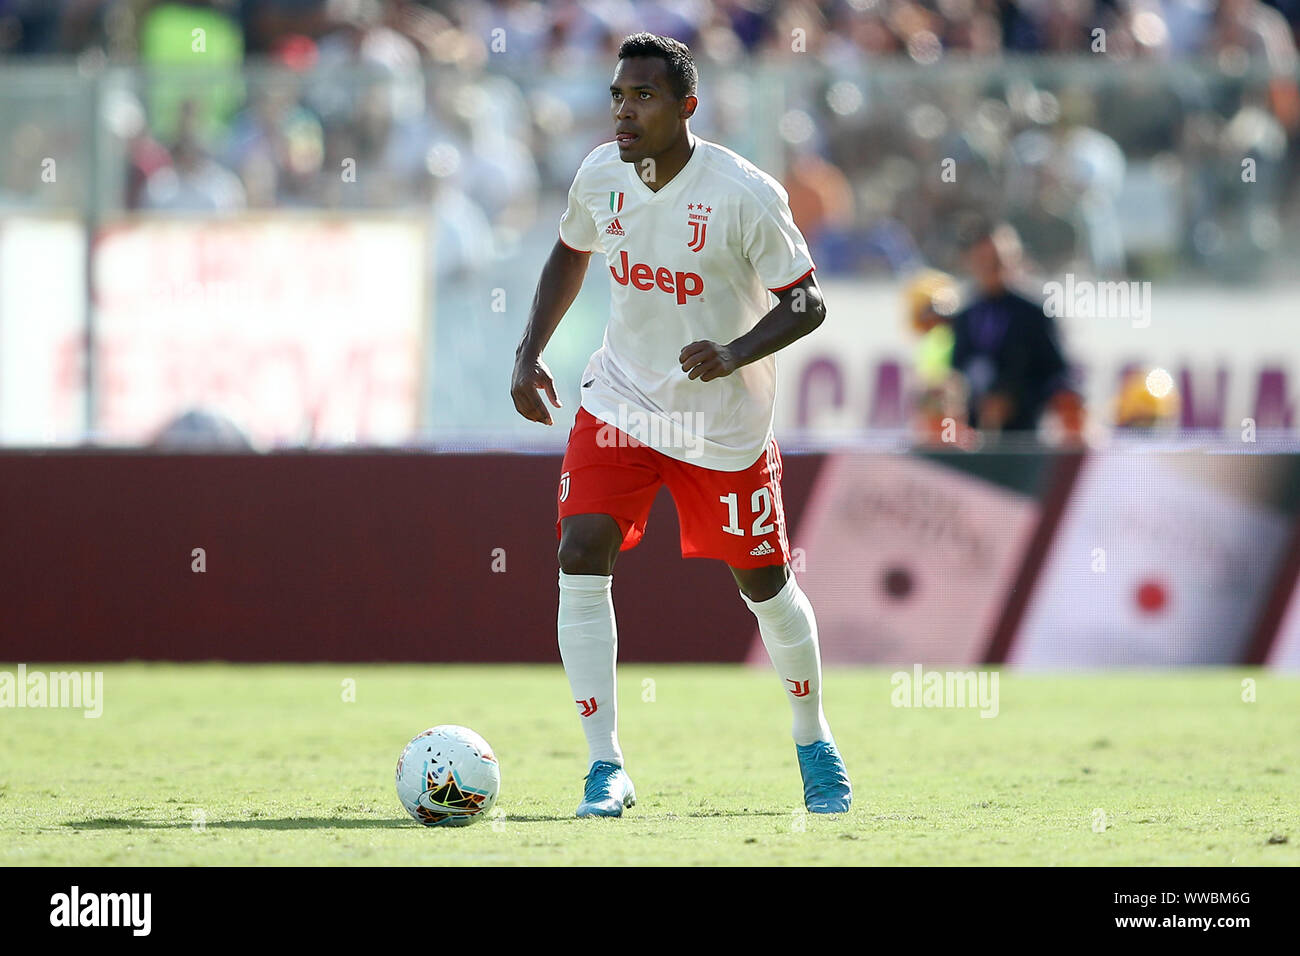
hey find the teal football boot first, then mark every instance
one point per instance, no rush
(826, 787)
(608, 791)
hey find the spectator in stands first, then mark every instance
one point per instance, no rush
(972, 27)
(463, 241)
(821, 199)
(1005, 347)
(1248, 28)
(1066, 181)
(930, 299)
(266, 23)
(201, 430)
(145, 156)
(194, 182)
(586, 34)
(524, 114)
(277, 148)
(183, 36)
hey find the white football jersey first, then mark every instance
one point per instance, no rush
(696, 260)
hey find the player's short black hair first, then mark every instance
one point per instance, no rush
(682, 76)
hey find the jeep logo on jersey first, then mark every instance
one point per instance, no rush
(645, 278)
(695, 213)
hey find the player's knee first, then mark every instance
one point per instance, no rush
(579, 554)
(762, 584)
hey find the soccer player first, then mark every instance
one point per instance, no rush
(680, 393)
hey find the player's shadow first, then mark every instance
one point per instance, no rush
(267, 823)
(278, 823)
(342, 823)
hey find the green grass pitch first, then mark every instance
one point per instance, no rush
(219, 764)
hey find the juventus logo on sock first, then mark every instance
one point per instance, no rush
(799, 691)
(589, 706)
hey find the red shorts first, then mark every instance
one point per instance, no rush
(735, 516)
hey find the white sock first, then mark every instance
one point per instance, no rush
(589, 648)
(789, 632)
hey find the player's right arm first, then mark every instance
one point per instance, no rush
(557, 288)
(559, 285)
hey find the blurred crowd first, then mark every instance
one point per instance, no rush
(559, 33)
(1125, 158)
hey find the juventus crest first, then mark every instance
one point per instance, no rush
(697, 214)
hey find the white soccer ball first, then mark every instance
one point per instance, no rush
(448, 776)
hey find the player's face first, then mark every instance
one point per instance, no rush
(648, 119)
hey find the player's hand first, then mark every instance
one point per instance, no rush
(527, 378)
(707, 361)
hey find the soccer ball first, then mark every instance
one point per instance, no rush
(448, 776)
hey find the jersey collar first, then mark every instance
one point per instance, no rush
(649, 195)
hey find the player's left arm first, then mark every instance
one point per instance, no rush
(800, 309)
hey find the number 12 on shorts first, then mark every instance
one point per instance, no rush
(761, 499)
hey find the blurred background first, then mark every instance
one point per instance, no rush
(276, 226)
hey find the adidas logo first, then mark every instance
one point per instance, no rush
(615, 228)
(762, 549)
